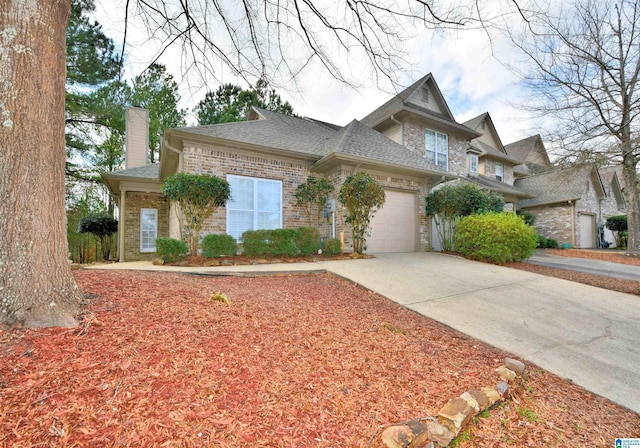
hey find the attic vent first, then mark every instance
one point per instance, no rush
(482, 125)
(425, 94)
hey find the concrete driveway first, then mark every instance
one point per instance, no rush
(586, 334)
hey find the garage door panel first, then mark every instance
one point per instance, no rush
(393, 228)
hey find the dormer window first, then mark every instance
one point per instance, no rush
(437, 148)
(500, 171)
(472, 163)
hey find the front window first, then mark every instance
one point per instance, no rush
(148, 229)
(437, 148)
(500, 172)
(255, 204)
(473, 163)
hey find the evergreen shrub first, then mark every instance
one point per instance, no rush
(218, 245)
(171, 250)
(496, 237)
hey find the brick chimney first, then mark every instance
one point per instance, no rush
(136, 137)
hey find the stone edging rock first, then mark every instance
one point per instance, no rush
(439, 431)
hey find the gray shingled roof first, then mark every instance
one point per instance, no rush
(315, 138)
(497, 186)
(520, 150)
(360, 140)
(274, 131)
(488, 150)
(474, 122)
(149, 171)
(551, 187)
(394, 105)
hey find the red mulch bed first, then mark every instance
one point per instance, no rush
(294, 361)
(613, 255)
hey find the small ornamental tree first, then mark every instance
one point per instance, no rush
(449, 204)
(313, 195)
(617, 224)
(362, 195)
(103, 227)
(198, 195)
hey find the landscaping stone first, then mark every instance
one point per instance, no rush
(440, 434)
(480, 398)
(157, 262)
(502, 387)
(471, 400)
(506, 374)
(211, 262)
(455, 414)
(226, 262)
(412, 434)
(491, 394)
(515, 365)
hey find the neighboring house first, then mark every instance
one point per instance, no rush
(489, 165)
(570, 204)
(531, 155)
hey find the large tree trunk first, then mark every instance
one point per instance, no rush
(632, 199)
(36, 285)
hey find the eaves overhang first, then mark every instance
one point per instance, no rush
(336, 159)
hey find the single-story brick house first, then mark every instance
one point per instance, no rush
(268, 156)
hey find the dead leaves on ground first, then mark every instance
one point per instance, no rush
(295, 361)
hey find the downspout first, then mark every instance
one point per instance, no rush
(121, 215)
(573, 223)
(171, 205)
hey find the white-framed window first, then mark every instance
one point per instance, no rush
(472, 162)
(437, 148)
(148, 229)
(500, 171)
(255, 204)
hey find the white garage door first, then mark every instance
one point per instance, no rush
(587, 231)
(393, 228)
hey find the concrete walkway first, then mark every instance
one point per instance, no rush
(616, 270)
(579, 332)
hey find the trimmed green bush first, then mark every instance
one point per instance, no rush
(218, 245)
(496, 237)
(171, 249)
(542, 242)
(547, 243)
(332, 246)
(277, 242)
(281, 242)
(255, 243)
(308, 240)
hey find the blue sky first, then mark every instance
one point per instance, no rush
(470, 73)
